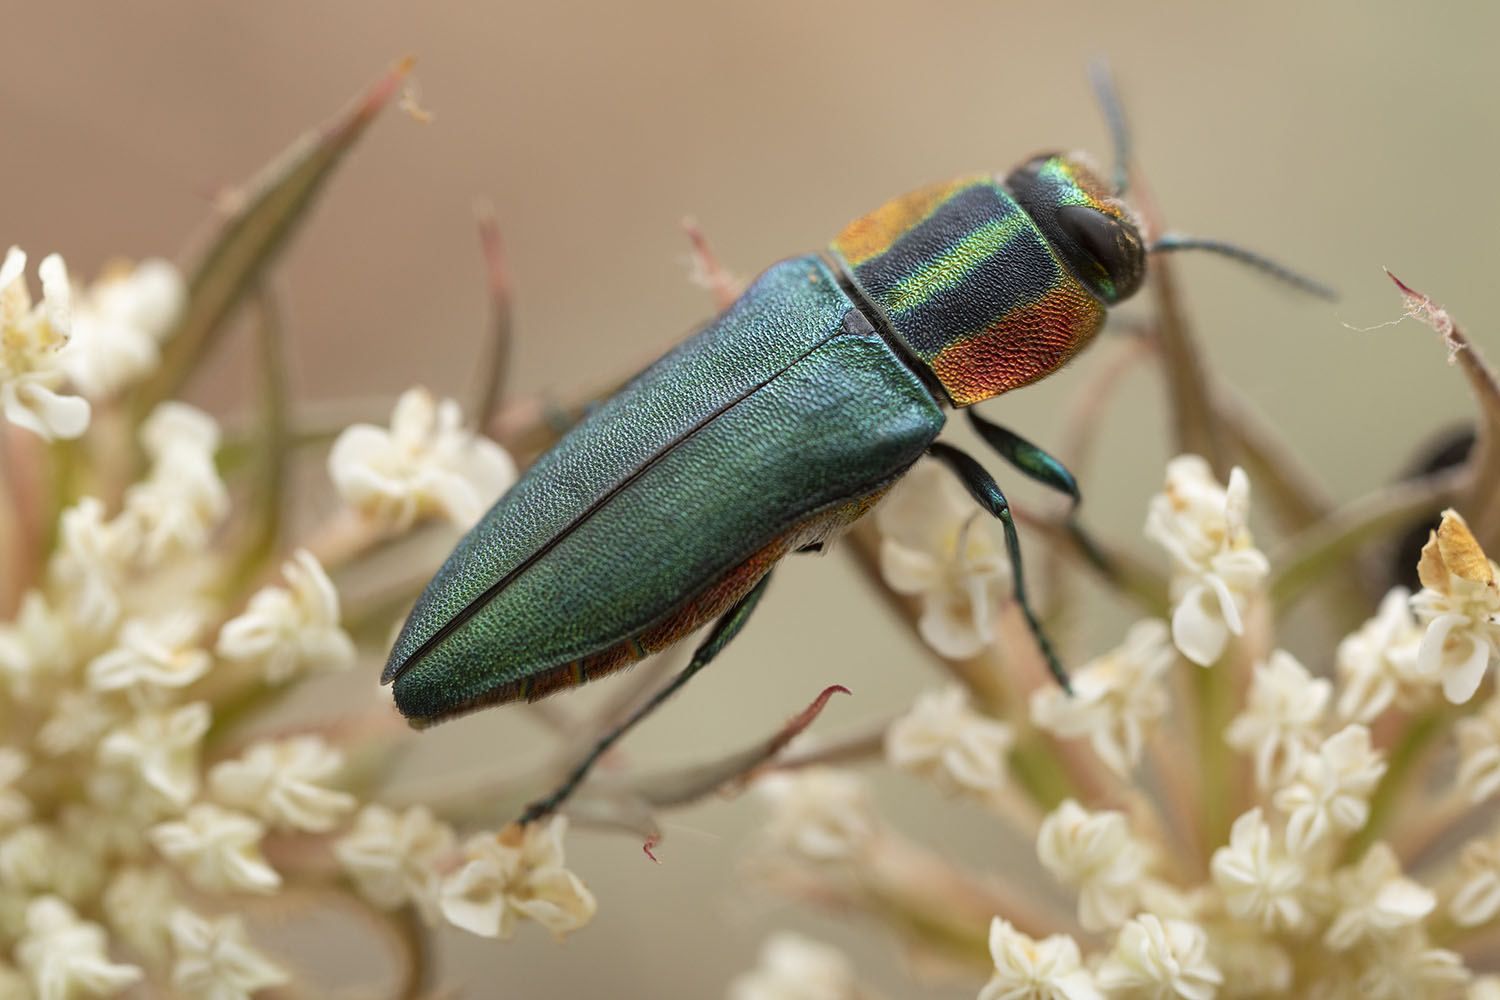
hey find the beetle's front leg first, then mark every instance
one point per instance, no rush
(983, 488)
(726, 628)
(1025, 456)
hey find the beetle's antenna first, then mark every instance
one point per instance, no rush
(1108, 97)
(1171, 242)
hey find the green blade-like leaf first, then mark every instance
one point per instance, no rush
(255, 233)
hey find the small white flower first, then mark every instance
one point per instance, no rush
(177, 507)
(1377, 664)
(1160, 959)
(119, 323)
(1459, 606)
(1477, 898)
(65, 958)
(936, 546)
(215, 960)
(393, 857)
(286, 631)
(946, 740)
(1281, 719)
(426, 465)
(1215, 566)
(1252, 963)
(217, 849)
(1330, 793)
(1374, 900)
(35, 649)
(138, 903)
(516, 873)
(1406, 965)
(1096, 854)
(90, 565)
(1260, 884)
(1026, 969)
(152, 657)
(819, 813)
(1115, 698)
(78, 721)
(162, 747)
(1485, 988)
(34, 349)
(793, 967)
(282, 783)
(1479, 752)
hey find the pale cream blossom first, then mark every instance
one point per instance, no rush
(1026, 969)
(34, 349)
(119, 323)
(162, 747)
(1330, 792)
(1115, 698)
(1479, 752)
(426, 465)
(284, 783)
(819, 813)
(1477, 896)
(90, 565)
(943, 738)
(1252, 963)
(394, 857)
(1406, 965)
(1261, 883)
(217, 849)
(936, 546)
(214, 959)
(1097, 854)
(288, 630)
(793, 967)
(1377, 665)
(178, 506)
(152, 657)
(138, 904)
(65, 958)
(1282, 718)
(1374, 900)
(1459, 608)
(1160, 959)
(78, 721)
(516, 873)
(35, 649)
(1215, 566)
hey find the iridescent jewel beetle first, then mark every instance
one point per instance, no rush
(767, 432)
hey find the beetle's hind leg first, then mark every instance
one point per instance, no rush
(725, 629)
(983, 488)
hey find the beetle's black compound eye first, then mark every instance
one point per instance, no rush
(1115, 256)
(1085, 224)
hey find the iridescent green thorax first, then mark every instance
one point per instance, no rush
(972, 285)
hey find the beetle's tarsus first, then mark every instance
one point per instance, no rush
(983, 488)
(725, 629)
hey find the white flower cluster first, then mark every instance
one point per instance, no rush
(1300, 895)
(130, 828)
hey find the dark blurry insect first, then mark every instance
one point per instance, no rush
(772, 428)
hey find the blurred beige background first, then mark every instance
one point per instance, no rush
(1338, 136)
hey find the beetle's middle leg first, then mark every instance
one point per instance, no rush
(983, 488)
(725, 629)
(1026, 457)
